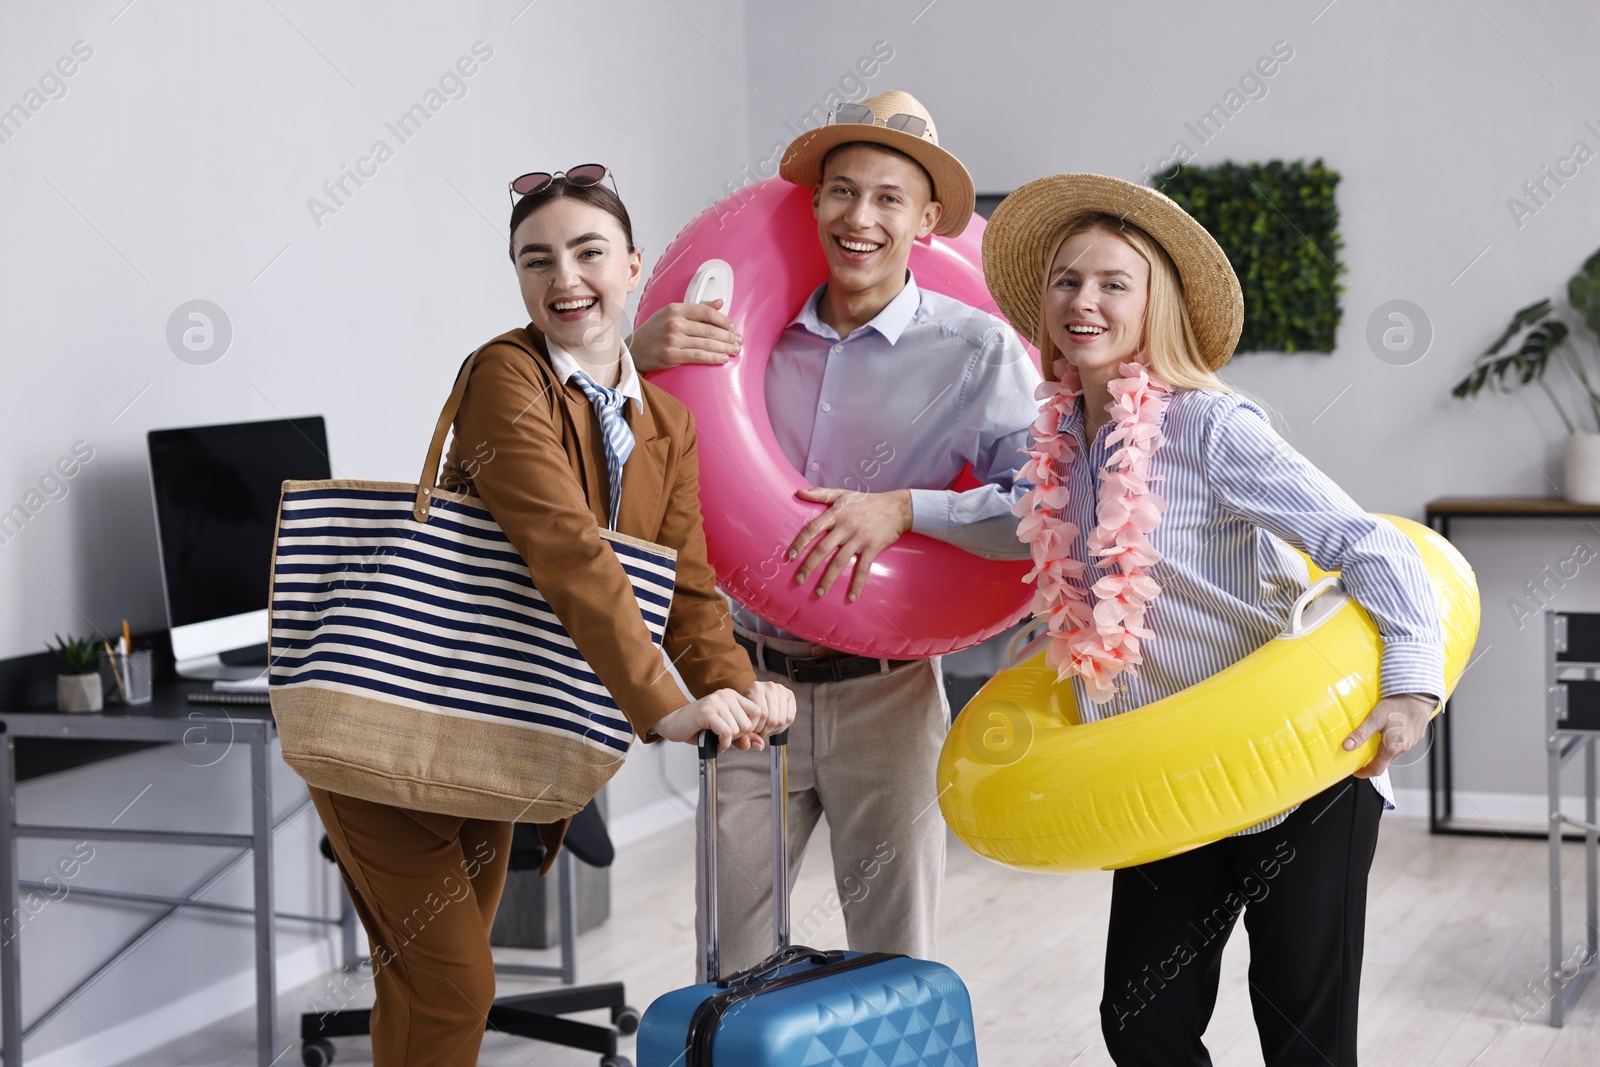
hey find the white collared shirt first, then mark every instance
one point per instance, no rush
(565, 364)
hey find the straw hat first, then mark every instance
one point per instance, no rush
(952, 185)
(1026, 226)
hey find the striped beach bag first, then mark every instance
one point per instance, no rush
(414, 663)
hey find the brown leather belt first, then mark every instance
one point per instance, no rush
(834, 667)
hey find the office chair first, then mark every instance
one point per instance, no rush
(534, 1015)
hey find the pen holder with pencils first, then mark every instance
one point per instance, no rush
(127, 675)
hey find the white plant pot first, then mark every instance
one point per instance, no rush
(79, 692)
(1583, 468)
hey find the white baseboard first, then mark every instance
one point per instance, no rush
(1518, 809)
(200, 1009)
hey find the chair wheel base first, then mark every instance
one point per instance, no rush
(625, 1019)
(317, 1053)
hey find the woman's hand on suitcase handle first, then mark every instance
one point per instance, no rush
(776, 704)
(724, 712)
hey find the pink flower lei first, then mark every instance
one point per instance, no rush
(1100, 641)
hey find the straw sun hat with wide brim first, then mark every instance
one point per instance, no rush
(1027, 225)
(952, 185)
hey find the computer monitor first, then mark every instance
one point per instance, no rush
(216, 495)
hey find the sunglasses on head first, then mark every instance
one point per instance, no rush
(579, 177)
(914, 125)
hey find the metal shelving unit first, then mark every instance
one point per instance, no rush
(1572, 726)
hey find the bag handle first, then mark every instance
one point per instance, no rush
(428, 481)
(787, 956)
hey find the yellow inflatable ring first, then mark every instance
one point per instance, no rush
(1024, 783)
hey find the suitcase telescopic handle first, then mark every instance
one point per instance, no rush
(779, 746)
(706, 854)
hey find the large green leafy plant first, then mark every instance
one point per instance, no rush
(1522, 353)
(1279, 226)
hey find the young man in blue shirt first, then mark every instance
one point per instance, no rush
(880, 393)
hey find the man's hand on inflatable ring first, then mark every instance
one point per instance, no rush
(856, 526)
(684, 333)
(1403, 719)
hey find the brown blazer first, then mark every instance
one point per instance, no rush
(531, 449)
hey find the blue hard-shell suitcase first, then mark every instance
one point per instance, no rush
(802, 1007)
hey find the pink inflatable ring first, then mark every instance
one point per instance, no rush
(924, 597)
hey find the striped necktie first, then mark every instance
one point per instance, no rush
(614, 428)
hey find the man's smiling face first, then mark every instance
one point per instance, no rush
(872, 204)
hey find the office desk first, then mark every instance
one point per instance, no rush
(168, 718)
(1441, 764)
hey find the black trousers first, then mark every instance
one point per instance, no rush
(1302, 888)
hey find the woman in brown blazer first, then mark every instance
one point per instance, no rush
(553, 412)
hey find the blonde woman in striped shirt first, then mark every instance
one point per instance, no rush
(1170, 512)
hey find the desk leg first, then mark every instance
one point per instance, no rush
(1436, 813)
(10, 912)
(266, 947)
(1441, 775)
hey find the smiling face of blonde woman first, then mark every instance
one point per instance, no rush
(1095, 296)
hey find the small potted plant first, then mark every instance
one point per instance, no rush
(78, 684)
(1521, 355)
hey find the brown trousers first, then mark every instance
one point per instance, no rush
(426, 888)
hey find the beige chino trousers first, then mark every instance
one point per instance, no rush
(863, 753)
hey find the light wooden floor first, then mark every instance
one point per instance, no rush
(1456, 931)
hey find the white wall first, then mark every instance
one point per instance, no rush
(1433, 113)
(177, 166)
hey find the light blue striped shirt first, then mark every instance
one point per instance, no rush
(907, 401)
(1238, 496)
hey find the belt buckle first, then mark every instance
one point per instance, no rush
(828, 663)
